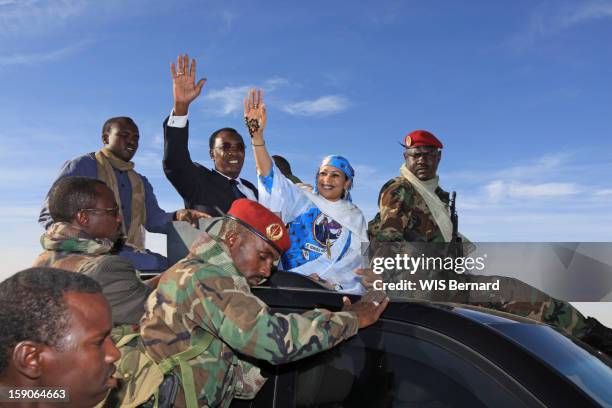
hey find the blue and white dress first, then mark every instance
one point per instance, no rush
(326, 236)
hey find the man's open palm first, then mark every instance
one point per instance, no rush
(184, 87)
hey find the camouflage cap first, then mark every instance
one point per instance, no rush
(261, 222)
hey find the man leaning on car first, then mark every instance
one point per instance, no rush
(204, 303)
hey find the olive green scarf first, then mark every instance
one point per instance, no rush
(63, 236)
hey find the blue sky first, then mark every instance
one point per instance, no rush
(519, 92)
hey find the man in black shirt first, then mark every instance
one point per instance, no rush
(201, 188)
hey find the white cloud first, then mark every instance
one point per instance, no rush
(158, 140)
(149, 160)
(323, 106)
(582, 12)
(228, 18)
(229, 99)
(540, 166)
(551, 165)
(499, 189)
(550, 19)
(604, 192)
(26, 16)
(36, 58)
(365, 170)
(274, 83)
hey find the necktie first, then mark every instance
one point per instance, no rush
(237, 193)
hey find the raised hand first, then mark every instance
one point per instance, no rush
(255, 114)
(184, 87)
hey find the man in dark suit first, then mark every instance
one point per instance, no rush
(201, 188)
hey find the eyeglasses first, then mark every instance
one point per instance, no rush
(226, 147)
(427, 155)
(113, 211)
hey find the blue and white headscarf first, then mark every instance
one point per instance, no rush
(341, 163)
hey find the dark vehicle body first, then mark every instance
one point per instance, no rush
(424, 354)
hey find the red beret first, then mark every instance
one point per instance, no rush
(261, 222)
(421, 138)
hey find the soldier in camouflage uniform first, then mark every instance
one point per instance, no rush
(208, 293)
(84, 239)
(414, 211)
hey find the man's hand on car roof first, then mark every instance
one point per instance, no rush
(368, 312)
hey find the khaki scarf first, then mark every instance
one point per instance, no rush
(106, 161)
(427, 190)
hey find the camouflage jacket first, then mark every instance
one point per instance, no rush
(67, 247)
(205, 291)
(403, 215)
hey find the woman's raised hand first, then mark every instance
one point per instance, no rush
(255, 115)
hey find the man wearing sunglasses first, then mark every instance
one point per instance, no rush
(201, 188)
(414, 209)
(86, 237)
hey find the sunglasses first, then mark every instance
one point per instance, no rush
(113, 211)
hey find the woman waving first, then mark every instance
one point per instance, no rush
(326, 229)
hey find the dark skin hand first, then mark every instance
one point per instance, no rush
(228, 150)
(322, 281)
(191, 216)
(184, 88)
(368, 277)
(152, 283)
(367, 312)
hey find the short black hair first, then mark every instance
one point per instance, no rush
(110, 122)
(71, 194)
(282, 164)
(231, 225)
(33, 307)
(213, 136)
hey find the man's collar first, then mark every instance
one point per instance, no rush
(228, 177)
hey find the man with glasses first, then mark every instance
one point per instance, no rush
(201, 188)
(414, 209)
(86, 237)
(406, 202)
(133, 192)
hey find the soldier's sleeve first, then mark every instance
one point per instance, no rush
(532, 303)
(395, 204)
(245, 323)
(249, 380)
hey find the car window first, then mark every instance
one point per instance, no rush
(579, 366)
(385, 368)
